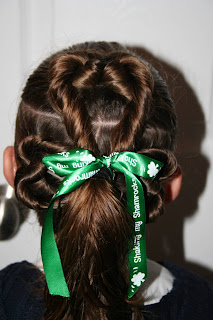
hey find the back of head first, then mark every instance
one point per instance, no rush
(101, 97)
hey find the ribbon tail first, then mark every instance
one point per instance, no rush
(51, 259)
(137, 261)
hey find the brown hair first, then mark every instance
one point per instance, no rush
(104, 98)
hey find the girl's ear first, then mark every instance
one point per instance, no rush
(9, 164)
(173, 186)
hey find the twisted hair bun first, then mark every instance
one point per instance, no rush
(101, 97)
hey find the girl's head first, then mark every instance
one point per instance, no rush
(102, 97)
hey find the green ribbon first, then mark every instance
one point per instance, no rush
(77, 166)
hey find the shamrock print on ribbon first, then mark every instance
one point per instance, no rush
(87, 158)
(153, 169)
(138, 278)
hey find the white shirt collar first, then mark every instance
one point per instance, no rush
(159, 283)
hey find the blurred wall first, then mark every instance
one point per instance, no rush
(176, 36)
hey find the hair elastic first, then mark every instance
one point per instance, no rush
(105, 173)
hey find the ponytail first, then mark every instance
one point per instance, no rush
(93, 242)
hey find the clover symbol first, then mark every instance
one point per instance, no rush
(153, 169)
(138, 278)
(87, 158)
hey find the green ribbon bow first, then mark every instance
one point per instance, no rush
(77, 166)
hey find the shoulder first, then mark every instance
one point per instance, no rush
(190, 298)
(19, 291)
(188, 280)
(15, 269)
(17, 274)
